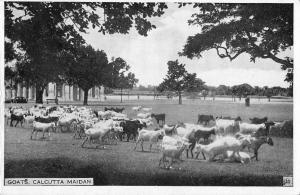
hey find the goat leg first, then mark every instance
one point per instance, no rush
(85, 139)
(142, 145)
(202, 155)
(16, 123)
(256, 155)
(136, 143)
(49, 133)
(32, 133)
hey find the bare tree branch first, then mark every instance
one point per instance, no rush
(227, 55)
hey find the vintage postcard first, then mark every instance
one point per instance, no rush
(99, 96)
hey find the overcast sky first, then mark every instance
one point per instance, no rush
(148, 56)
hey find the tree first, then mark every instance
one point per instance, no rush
(44, 30)
(258, 91)
(223, 90)
(268, 92)
(242, 90)
(121, 78)
(10, 76)
(204, 93)
(108, 90)
(179, 80)
(88, 69)
(260, 30)
(279, 91)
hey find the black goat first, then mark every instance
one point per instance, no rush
(119, 110)
(264, 131)
(256, 120)
(159, 117)
(18, 118)
(51, 109)
(202, 118)
(130, 128)
(47, 120)
(96, 113)
(194, 138)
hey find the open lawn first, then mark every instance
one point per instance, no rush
(62, 156)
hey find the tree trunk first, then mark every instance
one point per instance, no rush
(180, 99)
(85, 96)
(27, 90)
(121, 95)
(11, 88)
(269, 99)
(39, 94)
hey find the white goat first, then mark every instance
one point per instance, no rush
(136, 108)
(67, 121)
(146, 109)
(187, 130)
(243, 157)
(148, 121)
(7, 115)
(172, 151)
(227, 127)
(148, 135)
(37, 126)
(256, 143)
(247, 128)
(172, 141)
(98, 131)
(28, 119)
(143, 115)
(220, 146)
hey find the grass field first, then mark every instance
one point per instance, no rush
(118, 164)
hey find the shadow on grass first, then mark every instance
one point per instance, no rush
(106, 174)
(54, 168)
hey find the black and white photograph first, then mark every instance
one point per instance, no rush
(193, 94)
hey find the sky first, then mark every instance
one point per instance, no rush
(148, 56)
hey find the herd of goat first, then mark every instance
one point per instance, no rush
(220, 138)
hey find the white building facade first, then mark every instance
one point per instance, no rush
(63, 92)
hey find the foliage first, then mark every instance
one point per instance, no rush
(88, 69)
(223, 90)
(242, 90)
(108, 90)
(179, 80)
(146, 88)
(120, 77)
(10, 75)
(260, 30)
(45, 30)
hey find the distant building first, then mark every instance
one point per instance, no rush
(63, 92)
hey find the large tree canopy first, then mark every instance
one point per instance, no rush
(179, 80)
(242, 90)
(261, 30)
(45, 30)
(89, 68)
